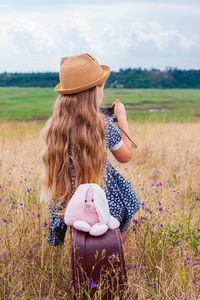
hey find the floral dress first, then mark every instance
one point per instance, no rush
(122, 200)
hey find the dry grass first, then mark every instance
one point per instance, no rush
(162, 244)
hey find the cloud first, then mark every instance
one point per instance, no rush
(113, 33)
(162, 38)
(31, 37)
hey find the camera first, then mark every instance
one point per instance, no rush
(108, 111)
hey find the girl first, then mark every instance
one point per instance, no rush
(77, 137)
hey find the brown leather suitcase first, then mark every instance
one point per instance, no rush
(98, 266)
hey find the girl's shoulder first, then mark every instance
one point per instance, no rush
(110, 125)
(113, 135)
(109, 121)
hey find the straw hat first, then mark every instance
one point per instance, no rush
(79, 73)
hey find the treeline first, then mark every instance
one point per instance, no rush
(124, 78)
(47, 79)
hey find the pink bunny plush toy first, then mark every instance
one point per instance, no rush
(88, 210)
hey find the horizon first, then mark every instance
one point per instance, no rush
(123, 69)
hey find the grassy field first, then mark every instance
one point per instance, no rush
(163, 241)
(142, 104)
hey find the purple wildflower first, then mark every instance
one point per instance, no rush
(136, 267)
(92, 283)
(195, 264)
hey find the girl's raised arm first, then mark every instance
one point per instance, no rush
(124, 153)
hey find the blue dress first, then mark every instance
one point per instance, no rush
(122, 200)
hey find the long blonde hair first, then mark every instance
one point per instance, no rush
(75, 128)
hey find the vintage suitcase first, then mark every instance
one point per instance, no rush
(98, 266)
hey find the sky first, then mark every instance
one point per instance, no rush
(36, 34)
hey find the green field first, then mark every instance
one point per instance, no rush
(142, 104)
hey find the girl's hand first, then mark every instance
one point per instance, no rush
(119, 110)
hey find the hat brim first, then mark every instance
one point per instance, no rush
(106, 73)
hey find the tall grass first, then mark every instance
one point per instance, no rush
(163, 241)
